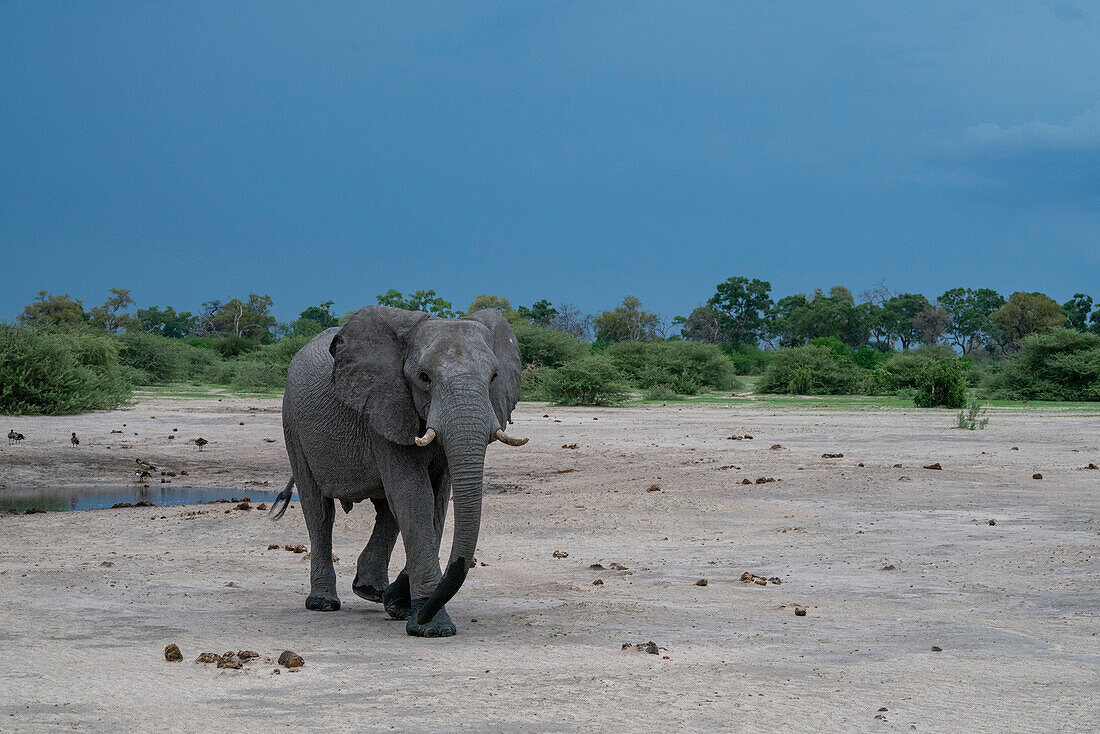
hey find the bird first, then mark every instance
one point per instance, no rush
(19, 437)
(11, 436)
(141, 474)
(74, 440)
(200, 442)
(145, 464)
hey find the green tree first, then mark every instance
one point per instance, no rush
(490, 301)
(705, 324)
(47, 310)
(251, 319)
(898, 314)
(1023, 315)
(321, 314)
(539, 313)
(930, 324)
(165, 322)
(1077, 311)
(969, 311)
(745, 305)
(628, 322)
(421, 300)
(110, 316)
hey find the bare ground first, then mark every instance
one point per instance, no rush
(90, 599)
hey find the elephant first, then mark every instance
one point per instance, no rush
(399, 407)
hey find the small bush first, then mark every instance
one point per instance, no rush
(544, 347)
(156, 359)
(1062, 365)
(592, 380)
(973, 417)
(58, 373)
(810, 370)
(660, 392)
(941, 383)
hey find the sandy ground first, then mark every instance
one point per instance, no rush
(90, 599)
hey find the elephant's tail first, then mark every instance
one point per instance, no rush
(283, 497)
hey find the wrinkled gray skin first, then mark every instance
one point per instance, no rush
(356, 398)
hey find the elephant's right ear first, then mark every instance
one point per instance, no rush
(368, 369)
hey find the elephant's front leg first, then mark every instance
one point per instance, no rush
(372, 571)
(412, 499)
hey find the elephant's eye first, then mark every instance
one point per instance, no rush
(424, 378)
(494, 377)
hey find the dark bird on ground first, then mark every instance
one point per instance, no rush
(14, 437)
(141, 474)
(74, 440)
(145, 464)
(200, 442)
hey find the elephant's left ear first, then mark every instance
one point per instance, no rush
(504, 391)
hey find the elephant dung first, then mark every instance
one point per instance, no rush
(291, 659)
(172, 653)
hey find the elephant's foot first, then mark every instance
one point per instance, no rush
(322, 601)
(397, 598)
(370, 586)
(370, 592)
(439, 626)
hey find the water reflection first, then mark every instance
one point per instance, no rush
(62, 499)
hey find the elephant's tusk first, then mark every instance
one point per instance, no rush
(505, 438)
(427, 438)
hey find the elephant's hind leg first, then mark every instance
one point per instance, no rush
(320, 513)
(372, 571)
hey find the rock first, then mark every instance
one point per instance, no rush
(747, 437)
(172, 653)
(598, 582)
(295, 548)
(653, 488)
(933, 466)
(800, 611)
(617, 567)
(764, 480)
(206, 657)
(937, 648)
(992, 521)
(247, 654)
(107, 564)
(291, 659)
(244, 506)
(832, 456)
(701, 582)
(1036, 475)
(273, 546)
(746, 480)
(560, 554)
(860, 464)
(776, 446)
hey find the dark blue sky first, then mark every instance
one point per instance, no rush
(571, 151)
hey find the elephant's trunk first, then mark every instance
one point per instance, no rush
(465, 426)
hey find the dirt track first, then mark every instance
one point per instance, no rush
(90, 599)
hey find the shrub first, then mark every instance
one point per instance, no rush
(57, 373)
(683, 367)
(233, 346)
(547, 347)
(592, 380)
(809, 370)
(903, 369)
(941, 383)
(255, 374)
(660, 392)
(1063, 365)
(749, 360)
(155, 359)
